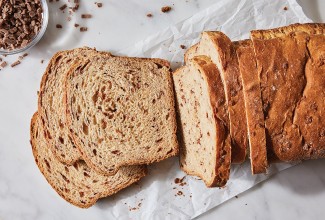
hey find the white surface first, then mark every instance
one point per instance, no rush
(295, 193)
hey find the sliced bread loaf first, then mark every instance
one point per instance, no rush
(253, 105)
(121, 111)
(282, 61)
(50, 104)
(77, 183)
(220, 49)
(205, 149)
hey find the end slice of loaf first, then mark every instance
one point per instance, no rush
(51, 104)
(121, 111)
(205, 149)
(77, 183)
(253, 105)
(220, 49)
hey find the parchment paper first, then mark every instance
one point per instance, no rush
(159, 196)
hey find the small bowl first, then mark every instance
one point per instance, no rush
(37, 37)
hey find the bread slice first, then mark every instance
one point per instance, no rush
(121, 111)
(77, 183)
(282, 57)
(205, 149)
(253, 106)
(220, 49)
(50, 104)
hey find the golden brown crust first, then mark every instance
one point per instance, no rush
(309, 113)
(33, 128)
(253, 105)
(309, 28)
(234, 94)
(281, 59)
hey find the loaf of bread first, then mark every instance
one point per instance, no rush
(121, 111)
(220, 49)
(288, 84)
(77, 183)
(205, 149)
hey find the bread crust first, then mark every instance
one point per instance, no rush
(253, 106)
(33, 128)
(282, 57)
(309, 28)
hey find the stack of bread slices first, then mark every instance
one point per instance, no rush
(100, 120)
(267, 92)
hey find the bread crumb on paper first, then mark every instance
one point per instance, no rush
(83, 29)
(166, 9)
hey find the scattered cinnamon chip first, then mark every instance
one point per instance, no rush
(15, 63)
(63, 7)
(99, 4)
(182, 46)
(149, 15)
(58, 26)
(285, 8)
(42, 61)
(180, 181)
(23, 56)
(3, 64)
(83, 29)
(179, 193)
(76, 25)
(86, 16)
(166, 9)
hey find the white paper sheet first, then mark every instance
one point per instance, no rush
(236, 19)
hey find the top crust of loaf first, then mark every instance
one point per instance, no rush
(309, 28)
(253, 106)
(112, 148)
(76, 183)
(289, 55)
(309, 115)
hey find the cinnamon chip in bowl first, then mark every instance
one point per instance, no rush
(23, 23)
